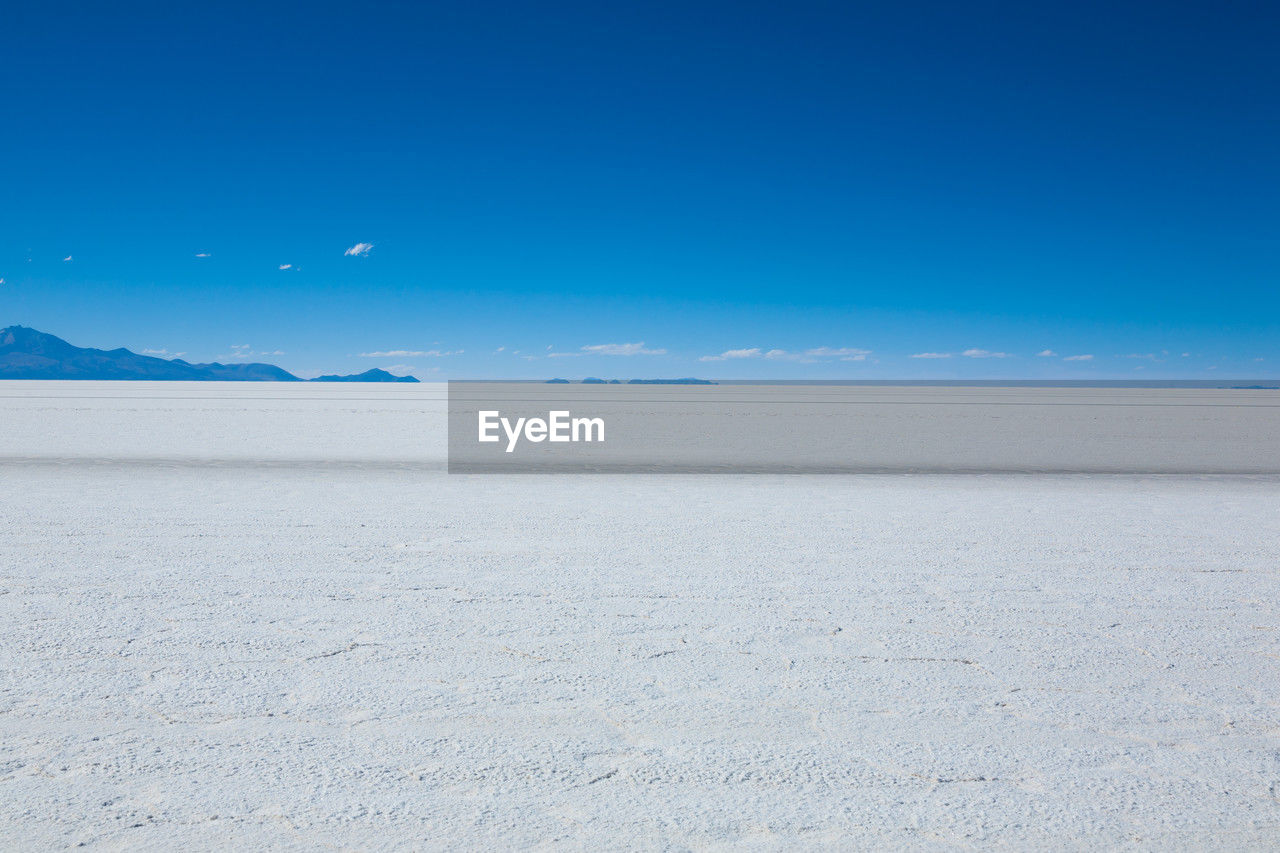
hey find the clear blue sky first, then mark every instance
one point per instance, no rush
(819, 189)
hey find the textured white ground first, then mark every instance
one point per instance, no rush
(212, 641)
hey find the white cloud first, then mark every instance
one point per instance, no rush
(286, 266)
(499, 349)
(163, 353)
(621, 349)
(1046, 353)
(410, 353)
(242, 351)
(982, 353)
(753, 352)
(842, 353)
(203, 255)
(1, 281)
(67, 258)
(807, 356)
(1085, 357)
(359, 250)
(400, 369)
(932, 355)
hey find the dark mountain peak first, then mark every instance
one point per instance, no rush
(27, 353)
(26, 338)
(375, 374)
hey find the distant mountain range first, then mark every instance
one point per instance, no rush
(31, 354)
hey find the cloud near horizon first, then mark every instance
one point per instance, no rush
(983, 353)
(621, 349)
(931, 355)
(754, 352)
(842, 353)
(1085, 357)
(411, 353)
(609, 349)
(807, 356)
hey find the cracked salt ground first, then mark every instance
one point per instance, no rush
(238, 655)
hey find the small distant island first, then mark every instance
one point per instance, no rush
(591, 380)
(30, 354)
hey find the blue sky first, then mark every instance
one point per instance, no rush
(743, 189)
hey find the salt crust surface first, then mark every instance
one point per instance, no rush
(216, 638)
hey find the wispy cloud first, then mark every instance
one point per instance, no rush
(1046, 353)
(753, 352)
(1085, 357)
(243, 351)
(359, 250)
(411, 353)
(842, 353)
(608, 349)
(808, 356)
(931, 355)
(983, 353)
(203, 255)
(160, 353)
(67, 258)
(286, 266)
(621, 349)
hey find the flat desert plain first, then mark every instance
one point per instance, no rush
(263, 616)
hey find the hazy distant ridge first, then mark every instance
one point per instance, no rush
(31, 354)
